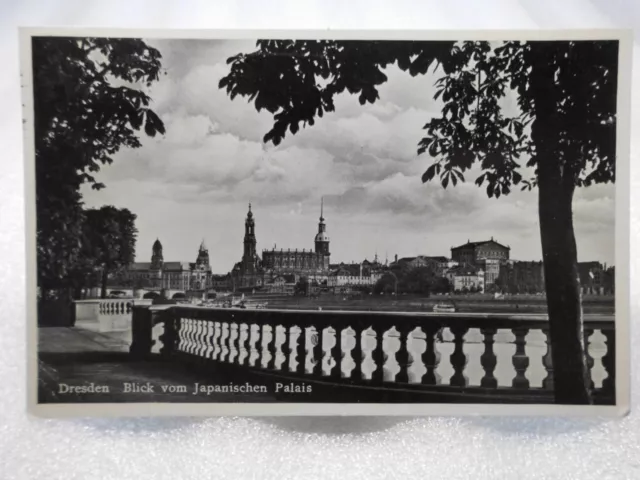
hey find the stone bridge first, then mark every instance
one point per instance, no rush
(147, 292)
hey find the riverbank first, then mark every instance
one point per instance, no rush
(471, 303)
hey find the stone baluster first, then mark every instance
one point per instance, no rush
(224, 342)
(170, 336)
(520, 359)
(242, 343)
(301, 351)
(286, 349)
(609, 362)
(402, 355)
(319, 353)
(590, 362)
(336, 353)
(488, 359)
(190, 331)
(263, 349)
(198, 331)
(431, 356)
(378, 355)
(547, 362)
(356, 353)
(458, 357)
(257, 347)
(209, 339)
(271, 347)
(183, 335)
(217, 333)
(236, 342)
(199, 345)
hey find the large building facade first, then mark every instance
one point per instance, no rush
(171, 275)
(488, 255)
(521, 277)
(253, 271)
(356, 274)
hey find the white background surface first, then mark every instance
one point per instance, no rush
(359, 448)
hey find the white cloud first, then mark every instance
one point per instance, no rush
(196, 181)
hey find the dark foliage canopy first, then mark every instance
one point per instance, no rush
(88, 105)
(297, 81)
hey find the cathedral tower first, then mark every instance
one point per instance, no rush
(322, 240)
(249, 255)
(202, 262)
(156, 256)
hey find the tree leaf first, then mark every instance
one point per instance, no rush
(490, 190)
(516, 177)
(429, 174)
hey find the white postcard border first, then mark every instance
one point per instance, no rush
(622, 233)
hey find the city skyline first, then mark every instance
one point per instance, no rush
(383, 256)
(196, 181)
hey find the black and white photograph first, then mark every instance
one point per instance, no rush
(327, 223)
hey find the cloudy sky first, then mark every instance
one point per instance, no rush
(196, 181)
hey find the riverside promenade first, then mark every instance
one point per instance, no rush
(245, 355)
(73, 356)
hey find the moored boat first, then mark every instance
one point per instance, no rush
(444, 308)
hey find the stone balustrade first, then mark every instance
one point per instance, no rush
(105, 314)
(424, 357)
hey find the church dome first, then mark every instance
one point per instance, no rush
(322, 237)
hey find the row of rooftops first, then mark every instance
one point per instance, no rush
(166, 266)
(289, 250)
(470, 244)
(181, 266)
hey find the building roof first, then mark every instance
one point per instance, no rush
(464, 269)
(136, 266)
(173, 266)
(440, 259)
(474, 245)
(425, 258)
(406, 259)
(288, 251)
(346, 271)
(589, 265)
(322, 237)
(219, 276)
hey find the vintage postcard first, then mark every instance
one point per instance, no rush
(327, 223)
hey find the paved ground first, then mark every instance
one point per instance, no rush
(93, 361)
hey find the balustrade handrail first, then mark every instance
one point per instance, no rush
(472, 319)
(276, 342)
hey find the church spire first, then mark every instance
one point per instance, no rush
(322, 240)
(156, 255)
(249, 238)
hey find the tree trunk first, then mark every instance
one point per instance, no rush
(556, 184)
(103, 283)
(563, 293)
